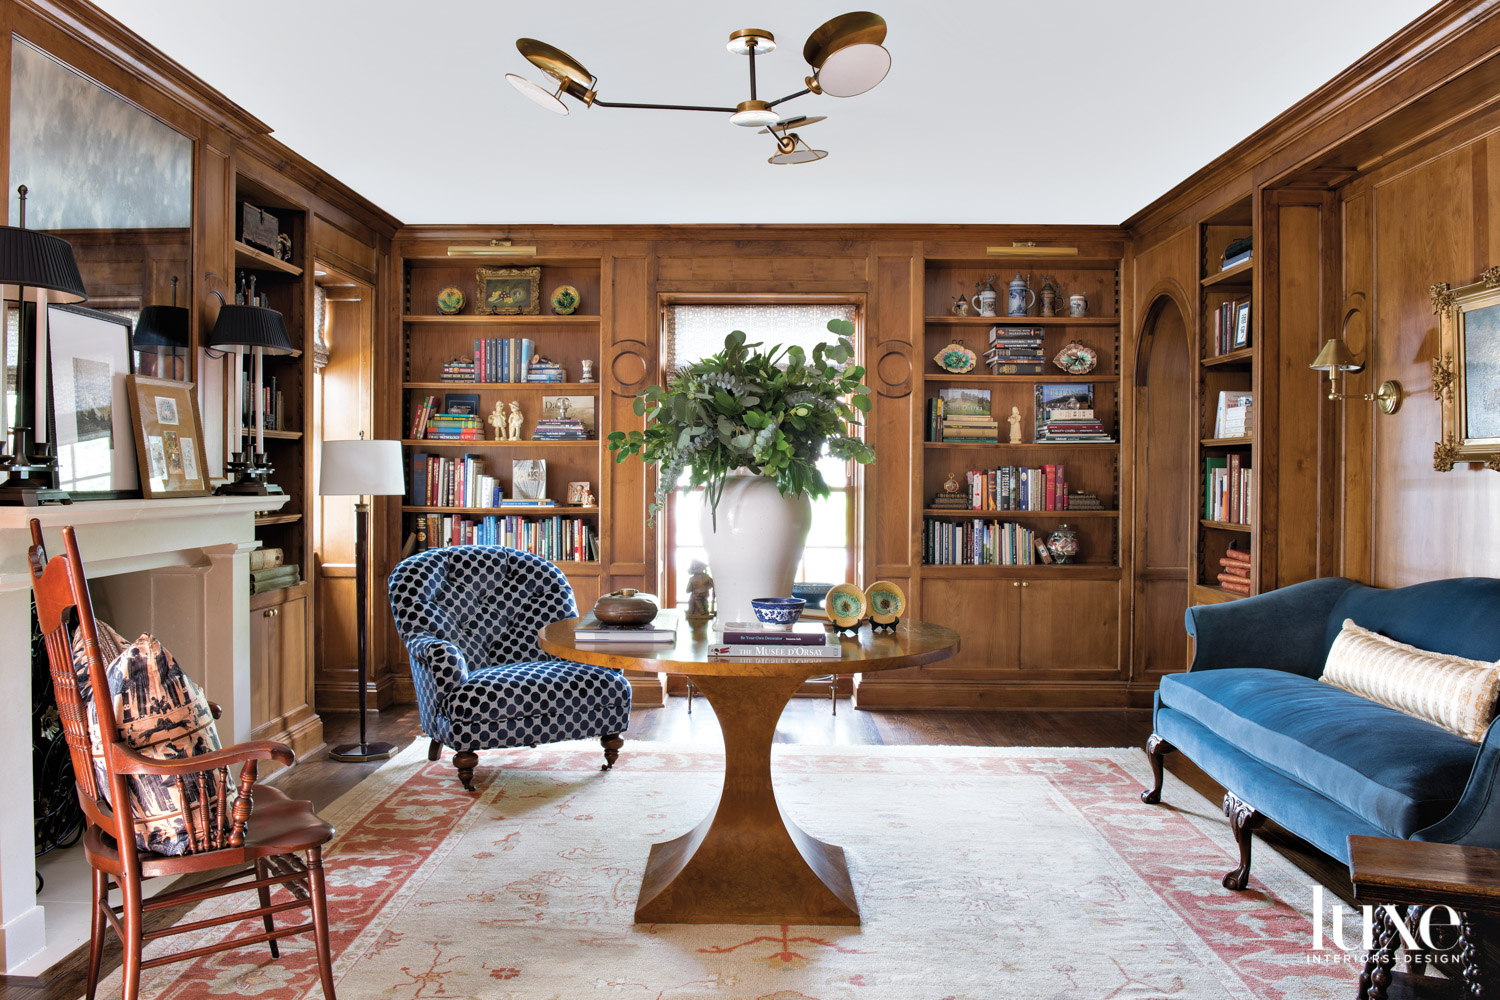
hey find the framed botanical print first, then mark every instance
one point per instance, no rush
(168, 437)
(1466, 372)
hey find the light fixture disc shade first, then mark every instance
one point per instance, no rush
(739, 42)
(803, 155)
(787, 124)
(542, 98)
(556, 63)
(1335, 356)
(853, 69)
(754, 117)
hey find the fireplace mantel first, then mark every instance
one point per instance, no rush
(179, 569)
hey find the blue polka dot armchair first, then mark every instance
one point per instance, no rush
(469, 615)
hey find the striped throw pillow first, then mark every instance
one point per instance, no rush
(1453, 692)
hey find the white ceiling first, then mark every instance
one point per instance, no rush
(1079, 111)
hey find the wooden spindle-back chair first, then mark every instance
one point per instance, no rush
(257, 836)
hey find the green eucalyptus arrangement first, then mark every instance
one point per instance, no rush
(770, 412)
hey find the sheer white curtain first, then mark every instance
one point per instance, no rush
(696, 331)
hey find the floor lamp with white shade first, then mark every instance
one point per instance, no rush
(360, 469)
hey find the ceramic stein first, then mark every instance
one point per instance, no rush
(984, 300)
(1048, 298)
(1078, 305)
(960, 306)
(1019, 303)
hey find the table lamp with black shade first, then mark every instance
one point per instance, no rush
(361, 468)
(44, 270)
(263, 331)
(163, 329)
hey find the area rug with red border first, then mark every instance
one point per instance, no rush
(981, 873)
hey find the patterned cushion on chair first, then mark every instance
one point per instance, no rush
(111, 644)
(161, 713)
(544, 687)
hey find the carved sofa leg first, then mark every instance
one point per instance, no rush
(1156, 749)
(434, 750)
(1243, 819)
(612, 744)
(465, 760)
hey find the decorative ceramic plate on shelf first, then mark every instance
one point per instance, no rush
(885, 602)
(1077, 358)
(450, 301)
(565, 300)
(956, 358)
(845, 605)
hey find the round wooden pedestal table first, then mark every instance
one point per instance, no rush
(747, 862)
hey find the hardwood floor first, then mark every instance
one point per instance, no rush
(806, 720)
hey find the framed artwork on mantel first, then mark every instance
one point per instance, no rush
(168, 437)
(1466, 372)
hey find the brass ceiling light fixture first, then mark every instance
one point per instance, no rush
(846, 56)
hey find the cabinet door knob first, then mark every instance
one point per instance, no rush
(269, 613)
(1015, 583)
(1026, 584)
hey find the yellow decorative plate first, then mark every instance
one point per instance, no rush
(845, 605)
(885, 602)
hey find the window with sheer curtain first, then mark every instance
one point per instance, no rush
(696, 331)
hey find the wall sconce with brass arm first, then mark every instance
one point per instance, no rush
(1336, 359)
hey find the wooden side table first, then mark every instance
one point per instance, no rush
(1418, 875)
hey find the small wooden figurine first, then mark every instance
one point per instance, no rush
(1015, 424)
(515, 420)
(497, 420)
(700, 593)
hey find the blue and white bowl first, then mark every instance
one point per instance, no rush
(778, 612)
(813, 593)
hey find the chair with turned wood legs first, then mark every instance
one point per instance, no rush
(256, 840)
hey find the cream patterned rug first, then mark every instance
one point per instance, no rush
(981, 873)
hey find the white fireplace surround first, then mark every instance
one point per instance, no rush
(179, 569)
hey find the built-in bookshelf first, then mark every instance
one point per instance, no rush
(1226, 496)
(443, 505)
(1085, 466)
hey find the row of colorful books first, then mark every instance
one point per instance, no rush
(1234, 571)
(561, 539)
(502, 359)
(1013, 487)
(980, 543)
(1231, 326)
(1227, 489)
(453, 482)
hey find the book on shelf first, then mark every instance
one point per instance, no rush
(1237, 252)
(1231, 326)
(561, 539)
(1016, 350)
(977, 543)
(1239, 556)
(438, 481)
(503, 359)
(1064, 412)
(1011, 487)
(1083, 501)
(1227, 489)
(528, 479)
(275, 578)
(574, 409)
(267, 558)
(755, 634)
(965, 402)
(1234, 416)
(829, 649)
(662, 628)
(1236, 569)
(543, 370)
(1234, 586)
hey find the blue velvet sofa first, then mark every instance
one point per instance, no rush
(1319, 761)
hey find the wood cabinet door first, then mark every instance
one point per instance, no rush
(279, 680)
(984, 613)
(1070, 625)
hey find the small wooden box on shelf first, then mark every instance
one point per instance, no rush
(436, 512)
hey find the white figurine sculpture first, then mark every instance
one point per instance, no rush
(515, 420)
(1015, 424)
(497, 420)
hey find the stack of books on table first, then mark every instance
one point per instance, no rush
(1234, 571)
(267, 571)
(661, 629)
(560, 429)
(1016, 350)
(754, 641)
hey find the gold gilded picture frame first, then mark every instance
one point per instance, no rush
(508, 291)
(1466, 373)
(168, 437)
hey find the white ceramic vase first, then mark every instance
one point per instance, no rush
(757, 545)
